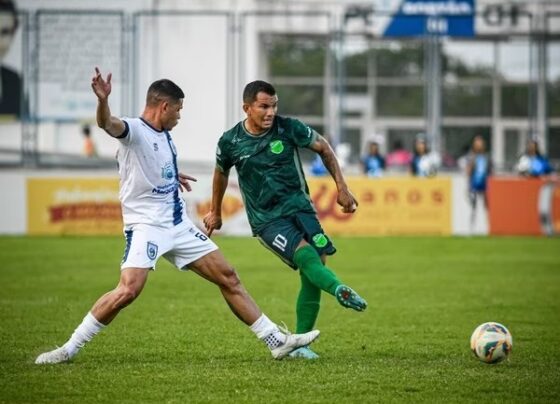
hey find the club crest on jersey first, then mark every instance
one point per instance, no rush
(320, 240)
(276, 146)
(167, 171)
(151, 250)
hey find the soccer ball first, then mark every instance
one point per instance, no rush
(491, 342)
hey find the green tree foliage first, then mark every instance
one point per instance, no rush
(290, 56)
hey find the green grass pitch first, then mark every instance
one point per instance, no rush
(179, 343)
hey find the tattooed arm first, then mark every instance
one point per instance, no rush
(345, 197)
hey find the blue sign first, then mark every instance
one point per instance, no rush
(432, 17)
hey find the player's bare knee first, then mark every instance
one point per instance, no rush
(125, 295)
(230, 280)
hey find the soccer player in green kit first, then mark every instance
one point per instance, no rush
(264, 150)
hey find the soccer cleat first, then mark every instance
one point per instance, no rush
(304, 352)
(350, 299)
(293, 342)
(57, 355)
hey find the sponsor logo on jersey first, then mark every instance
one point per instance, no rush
(167, 171)
(166, 189)
(276, 146)
(151, 250)
(320, 240)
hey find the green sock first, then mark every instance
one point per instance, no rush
(308, 304)
(309, 263)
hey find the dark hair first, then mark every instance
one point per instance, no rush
(537, 149)
(8, 6)
(475, 137)
(253, 88)
(421, 140)
(397, 144)
(163, 89)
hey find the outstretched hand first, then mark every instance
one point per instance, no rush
(184, 182)
(101, 88)
(347, 201)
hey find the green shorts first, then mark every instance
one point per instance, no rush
(283, 236)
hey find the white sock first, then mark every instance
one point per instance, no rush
(82, 334)
(268, 332)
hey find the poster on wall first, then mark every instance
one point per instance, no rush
(410, 18)
(463, 18)
(536, 210)
(13, 98)
(73, 206)
(91, 206)
(388, 206)
(70, 46)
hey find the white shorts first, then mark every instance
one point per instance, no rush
(180, 245)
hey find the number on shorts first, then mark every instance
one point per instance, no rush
(201, 236)
(280, 242)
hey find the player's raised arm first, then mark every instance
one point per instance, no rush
(345, 197)
(102, 88)
(213, 219)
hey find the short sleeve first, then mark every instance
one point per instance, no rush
(126, 137)
(303, 135)
(223, 157)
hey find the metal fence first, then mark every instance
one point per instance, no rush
(345, 81)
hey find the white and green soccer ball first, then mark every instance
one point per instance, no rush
(491, 342)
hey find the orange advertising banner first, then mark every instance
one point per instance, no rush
(523, 206)
(387, 206)
(73, 206)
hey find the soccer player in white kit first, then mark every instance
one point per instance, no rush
(156, 224)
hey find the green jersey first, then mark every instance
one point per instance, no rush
(269, 169)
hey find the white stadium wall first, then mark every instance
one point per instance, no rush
(13, 211)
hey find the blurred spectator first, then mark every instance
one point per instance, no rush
(448, 161)
(533, 163)
(424, 163)
(343, 151)
(318, 169)
(478, 169)
(463, 159)
(373, 163)
(89, 146)
(10, 81)
(398, 157)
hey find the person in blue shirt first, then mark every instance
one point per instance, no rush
(373, 163)
(533, 163)
(318, 169)
(479, 168)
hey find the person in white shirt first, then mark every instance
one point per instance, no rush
(156, 224)
(424, 162)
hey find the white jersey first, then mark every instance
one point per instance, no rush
(149, 183)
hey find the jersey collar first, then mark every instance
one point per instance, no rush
(151, 127)
(259, 136)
